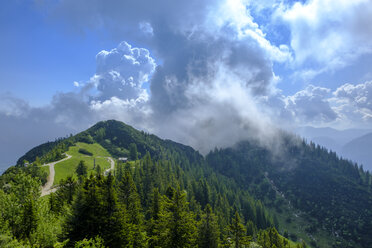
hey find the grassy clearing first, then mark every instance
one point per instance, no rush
(67, 168)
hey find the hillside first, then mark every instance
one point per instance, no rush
(359, 149)
(166, 198)
(349, 143)
(116, 137)
(247, 192)
(330, 193)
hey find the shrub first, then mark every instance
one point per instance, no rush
(85, 152)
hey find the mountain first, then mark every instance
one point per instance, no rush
(116, 137)
(329, 137)
(359, 149)
(250, 192)
(331, 193)
(344, 142)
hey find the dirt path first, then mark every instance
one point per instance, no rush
(47, 188)
(112, 162)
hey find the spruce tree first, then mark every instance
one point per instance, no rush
(181, 225)
(208, 232)
(95, 212)
(133, 153)
(129, 197)
(82, 169)
(238, 232)
(29, 218)
(156, 227)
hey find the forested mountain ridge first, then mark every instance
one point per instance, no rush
(334, 191)
(236, 190)
(116, 137)
(165, 196)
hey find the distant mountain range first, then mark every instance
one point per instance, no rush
(353, 144)
(360, 149)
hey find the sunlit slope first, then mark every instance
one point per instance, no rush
(67, 168)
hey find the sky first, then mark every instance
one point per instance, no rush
(205, 73)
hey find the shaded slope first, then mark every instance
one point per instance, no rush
(315, 181)
(359, 149)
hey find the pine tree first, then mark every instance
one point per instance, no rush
(181, 225)
(113, 229)
(238, 232)
(251, 229)
(129, 197)
(98, 169)
(82, 169)
(95, 212)
(66, 191)
(208, 232)
(269, 238)
(133, 153)
(148, 169)
(156, 227)
(29, 218)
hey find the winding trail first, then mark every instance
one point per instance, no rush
(112, 162)
(48, 187)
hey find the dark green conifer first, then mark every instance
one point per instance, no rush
(181, 225)
(82, 169)
(208, 232)
(238, 232)
(133, 153)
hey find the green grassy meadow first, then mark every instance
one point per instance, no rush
(67, 167)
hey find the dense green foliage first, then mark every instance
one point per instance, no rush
(315, 181)
(34, 170)
(85, 152)
(82, 169)
(133, 153)
(169, 195)
(47, 152)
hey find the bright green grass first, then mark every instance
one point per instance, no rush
(67, 168)
(96, 149)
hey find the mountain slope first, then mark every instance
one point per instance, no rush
(314, 181)
(114, 136)
(325, 194)
(349, 143)
(176, 174)
(359, 149)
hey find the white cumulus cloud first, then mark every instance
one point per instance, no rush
(330, 32)
(356, 99)
(311, 105)
(122, 71)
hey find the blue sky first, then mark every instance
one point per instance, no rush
(41, 56)
(183, 70)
